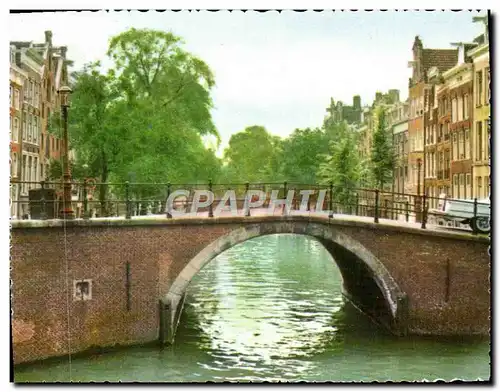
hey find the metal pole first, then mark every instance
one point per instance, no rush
(418, 204)
(43, 212)
(127, 199)
(285, 191)
(247, 202)
(67, 211)
(85, 201)
(169, 213)
(376, 205)
(210, 209)
(424, 213)
(330, 201)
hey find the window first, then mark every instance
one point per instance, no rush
(434, 164)
(468, 193)
(455, 185)
(32, 93)
(454, 147)
(446, 134)
(461, 188)
(488, 141)
(460, 105)
(461, 154)
(454, 110)
(479, 140)
(467, 144)
(23, 174)
(486, 186)
(479, 183)
(35, 170)
(24, 126)
(13, 167)
(35, 130)
(15, 131)
(16, 99)
(36, 95)
(487, 88)
(406, 171)
(466, 107)
(30, 129)
(479, 88)
(28, 172)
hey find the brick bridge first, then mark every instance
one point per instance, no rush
(99, 283)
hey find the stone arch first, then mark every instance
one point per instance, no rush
(367, 281)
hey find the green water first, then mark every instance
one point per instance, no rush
(271, 309)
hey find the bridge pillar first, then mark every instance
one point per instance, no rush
(170, 314)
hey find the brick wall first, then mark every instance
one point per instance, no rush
(46, 261)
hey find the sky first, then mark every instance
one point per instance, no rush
(273, 69)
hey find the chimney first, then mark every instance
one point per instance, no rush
(356, 102)
(48, 37)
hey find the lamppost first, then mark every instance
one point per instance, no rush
(418, 202)
(419, 167)
(67, 211)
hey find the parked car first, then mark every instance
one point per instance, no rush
(477, 215)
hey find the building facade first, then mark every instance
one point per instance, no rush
(459, 81)
(17, 80)
(423, 61)
(398, 120)
(27, 58)
(45, 67)
(339, 112)
(481, 150)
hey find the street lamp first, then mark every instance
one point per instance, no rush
(419, 167)
(67, 211)
(418, 202)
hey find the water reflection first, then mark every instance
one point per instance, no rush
(271, 309)
(275, 306)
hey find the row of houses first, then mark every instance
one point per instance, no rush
(37, 71)
(441, 133)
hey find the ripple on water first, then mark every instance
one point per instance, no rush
(271, 309)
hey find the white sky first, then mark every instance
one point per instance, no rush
(271, 69)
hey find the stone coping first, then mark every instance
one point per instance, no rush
(337, 220)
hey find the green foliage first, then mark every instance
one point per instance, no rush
(145, 118)
(301, 153)
(382, 156)
(250, 156)
(342, 167)
(55, 170)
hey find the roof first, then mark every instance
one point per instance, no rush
(442, 59)
(21, 44)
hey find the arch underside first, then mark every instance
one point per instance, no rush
(367, 283)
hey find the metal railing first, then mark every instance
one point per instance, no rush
(139, 199)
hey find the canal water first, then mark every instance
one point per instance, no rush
(271, 309)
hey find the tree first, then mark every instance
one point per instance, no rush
(301, 155)
(342, 168)
(144, 119)
(382, 154)
(249, 155)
